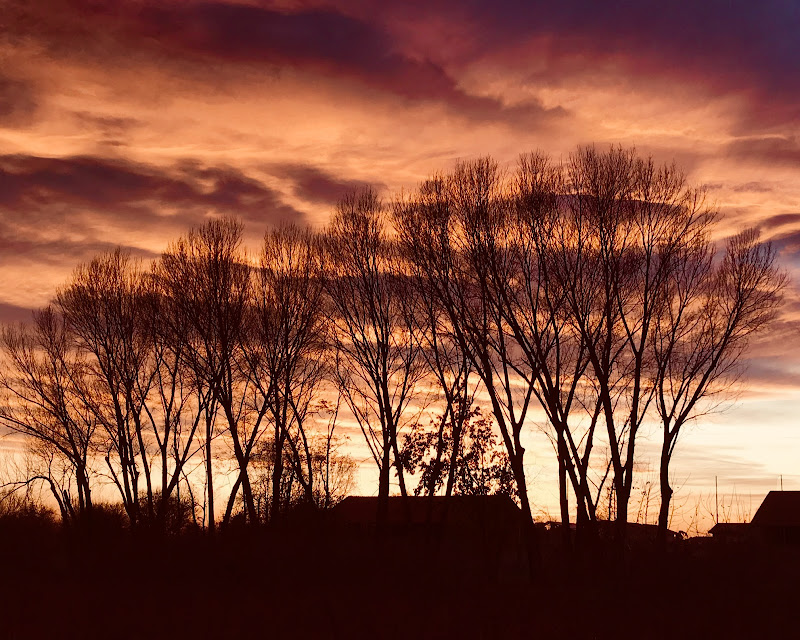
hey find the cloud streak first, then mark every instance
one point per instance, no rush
(315, 185)
(18, 100)
(145, 193)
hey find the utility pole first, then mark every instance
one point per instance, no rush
(716, 500)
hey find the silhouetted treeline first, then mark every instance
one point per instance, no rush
(590, 290)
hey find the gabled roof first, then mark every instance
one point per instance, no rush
(779, 509)
(423, 509)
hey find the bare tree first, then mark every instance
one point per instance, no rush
(378, 363)
(333, 471)
(208, 279)
(534, 306)
(448, 364)
(631, 224)
(43, 381)
(702, 333)
(177, 404)
(103, 307)
(589, 288)
(456, 234)
(286, 348)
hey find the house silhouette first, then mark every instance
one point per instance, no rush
(778, 518)
(777, 521)
(477, 535)
(486, 512)
(732, 531)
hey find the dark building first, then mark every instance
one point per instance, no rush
(778, 518)
(635, 532)
(479, 512)
(777, 521)
(732, 532)
(482, 535)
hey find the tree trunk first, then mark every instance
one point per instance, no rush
(451, 472)
(226, 519)
(437, 462)
(383, 487)
(249, 500)
(277, 475)
(401, 478)
(623, 494)
(210, 518)
(84, 491)
(529, 529)
(563, 496)
(666, 497)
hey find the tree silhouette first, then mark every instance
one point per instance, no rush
(700, 336)
(589, 289)
(479, 467)
(44, 381)
(378, 364)
(103, 308)
(286, 350)
(206, 276)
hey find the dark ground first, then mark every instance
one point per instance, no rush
(312, 583)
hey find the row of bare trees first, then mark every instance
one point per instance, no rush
(160, 372)
(590, 290)
(587, 295)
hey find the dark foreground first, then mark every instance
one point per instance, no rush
(315, 583)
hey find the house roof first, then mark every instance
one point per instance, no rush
(779, 509)
(729, 528)
(424, 509)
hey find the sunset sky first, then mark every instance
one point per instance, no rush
(126, 123)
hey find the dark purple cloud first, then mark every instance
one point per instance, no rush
(780, 220)
(13, 313)
(783, 232)
(59, 211)
(752, 187)
(18, 101)
(25, 244)
(769, 372)
(784, 150)
(322, 41)
(748, 48)
(39, 187)
(754, 43)
(315, 185)
(788, 245)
